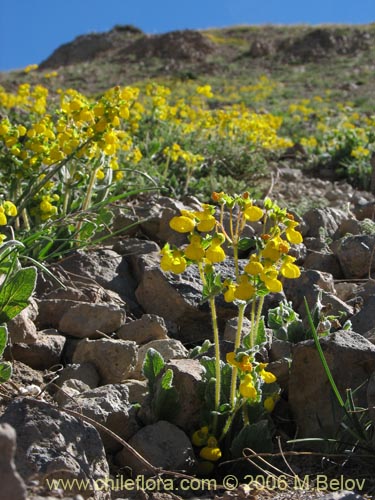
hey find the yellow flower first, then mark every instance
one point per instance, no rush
(288, 269)
(182, 224)
(3, 219)
(292, 235)
(214, 252)
(10, 208)
(211, 452)
(206, 219)
(269, 278)
(252, 213)
(244, 290)
(199, 437)
(194, 250)
(268, 377)
(173, 261)
(244, 365)
(247, 389)
(254, 267)
(229, 293)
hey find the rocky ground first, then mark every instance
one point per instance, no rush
(78, 353)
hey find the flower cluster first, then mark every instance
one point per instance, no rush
(266, 265)
(7, 209)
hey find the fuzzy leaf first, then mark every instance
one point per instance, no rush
(152, 366)
(15, 293)
(3, 338)
(5, 371)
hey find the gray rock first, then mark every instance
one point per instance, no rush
(134, 247)
(309, 285)
(371, 398)
(354, 254)
(108, 405)
(163, 445)
(149, 327)
(177, 298)
(85, 372)
(11, 484)
(231, 325)
(138, 390)
(281, 369)
(323, 220)
(168, 348)
(342, 495)
(280, 349)
(69, 390)
(22, 328)
(103, 266)
(346, 290)
(114, 360)
(364, 320)
(51, 311)
(187, 379)
(88, 320)
(43, 353)
(325, 262)
(55, 445)
(347, 226)
(315, 409)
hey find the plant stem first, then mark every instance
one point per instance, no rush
(237, 342)
(217, 359)
(252, 328)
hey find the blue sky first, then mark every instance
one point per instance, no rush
(30, 30)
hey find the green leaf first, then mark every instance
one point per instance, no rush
(255, 436)
(15, 293)
(5, 371)
(165, 402)
(209, 366)
(167, 379)
(200, 350)
(246, 244)
(261, 336)
(3, 338)
(152, 366)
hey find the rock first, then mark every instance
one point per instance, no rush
(103, 266)
(231, 329)
(281, 370)
(163, 445)
(22, 328)
(135, 247)
(114, 360)
(371, 398)
(187, 379)
(346, 290)
(323, 221)
(280, 349)
(85, 372)
(88, 320)
(325, 262)
(354, 254)
(69, 390)
(364, 320)
(342, 495)
(54, 445)
(108, 405)
(43, 353)
(51, 311)
(138, 390)
(347, 226)
(315, 409)
(177, 298)
(310, 284)
(149, 327)
(168, 348)
(11, 484)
